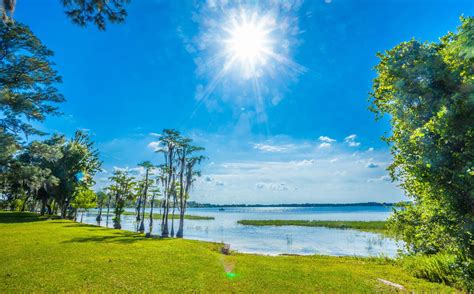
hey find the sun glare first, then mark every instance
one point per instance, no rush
(248, 42)
(247, 52)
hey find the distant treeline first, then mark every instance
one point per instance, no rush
(193, 204)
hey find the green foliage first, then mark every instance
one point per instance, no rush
(441, 268)
(367, 226)
(98, 12)
(427, 89)
(177, 175)
(79, 158)
(122, 188)
(108, 260)
(27, 80)
(84, 198)
(101, 198)
(81, 12)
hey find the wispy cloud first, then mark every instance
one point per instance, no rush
(326, 139)
(274, 148)
(324, 145)
(351, 140)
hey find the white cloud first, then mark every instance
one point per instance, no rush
(299, 172)
(155, 135)
(155, 145)
(326, 139)
(325, 145)
(273, 148)
(341, 178)
(351, 140)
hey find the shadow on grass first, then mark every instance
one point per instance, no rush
(12, 217)
(106, 239)
(116, 237)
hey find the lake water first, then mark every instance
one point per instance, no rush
(280, 240)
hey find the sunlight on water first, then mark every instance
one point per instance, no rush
(285, 239)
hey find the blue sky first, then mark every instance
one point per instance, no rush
(306, 134)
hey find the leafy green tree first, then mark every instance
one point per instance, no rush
(176, 176)
(84, 198)
(122, 187)
(427, 89)
(169, 142)
(27, 82)
(77, 167)
(187, 159)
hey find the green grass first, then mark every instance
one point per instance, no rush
(367, 226)
(176, 216)
(39, 255)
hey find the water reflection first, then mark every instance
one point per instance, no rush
(278, 240)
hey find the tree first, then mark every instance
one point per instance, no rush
(84, 198)
(101, 198)
(148, 166)
(27, 81)
(82, 12)
(187, 161)
(176, 176)
(427, 89)
(122, 187)
(110, 193)
(78, 165)
(168, 141)
(155, 192)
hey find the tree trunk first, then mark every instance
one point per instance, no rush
(150, 225)
(138, 208)
(145, 192)
(108, 210)
(172, 218)
(99, 216)
(49, 209)
(179, 234)
(82, 215)
(164, 229)
(23, 206)
(43, 206)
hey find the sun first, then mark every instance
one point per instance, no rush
(248, 42)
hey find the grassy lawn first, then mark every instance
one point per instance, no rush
(367, 226)
(39, 255)
(176, 216)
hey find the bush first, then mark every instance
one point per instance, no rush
(441, 268)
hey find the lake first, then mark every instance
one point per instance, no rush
(273, 240)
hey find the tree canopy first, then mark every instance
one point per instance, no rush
(427, 90)
(28, 80)
(81, 12)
